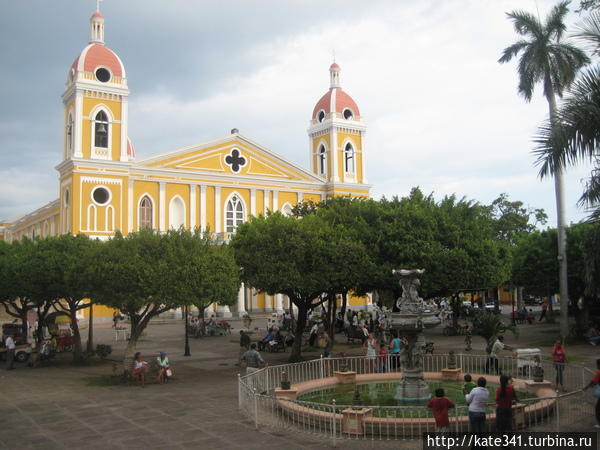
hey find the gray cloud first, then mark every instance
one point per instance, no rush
(442, 114)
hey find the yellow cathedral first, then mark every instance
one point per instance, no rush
(213, 186)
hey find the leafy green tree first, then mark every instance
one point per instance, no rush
(139, 275)
(512, 218)
(210, 272)
(545, 57)
(70, 264)
(289, 256)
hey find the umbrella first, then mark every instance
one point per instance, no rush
(57, 317)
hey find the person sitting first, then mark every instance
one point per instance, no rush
(268, 338)
(593, 336)
(139, 368)
(164, 369)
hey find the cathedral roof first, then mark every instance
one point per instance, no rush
(98, 55)
(335, 100)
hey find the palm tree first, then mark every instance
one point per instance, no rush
(577, 137)
(545, 58)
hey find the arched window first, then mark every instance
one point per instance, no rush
(322, 160)
(349, 158)
(176, 213)
(286, 210)
(145, 212)
(234, 213)
(101, 130)
(69, 135)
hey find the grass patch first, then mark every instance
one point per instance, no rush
(104, 380)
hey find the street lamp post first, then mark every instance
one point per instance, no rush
(187, 337)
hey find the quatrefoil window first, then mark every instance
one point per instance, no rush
(235, 160)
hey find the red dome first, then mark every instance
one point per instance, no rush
(97, 14)
(336, 100)
(130, 149)
(98, 55)
(334, 66)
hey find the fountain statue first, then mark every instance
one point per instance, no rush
(410, 322)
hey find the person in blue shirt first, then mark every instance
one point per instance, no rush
(395, 347)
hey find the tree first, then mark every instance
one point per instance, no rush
(71, 267)
(210, 272)
(289, 256)
(138, 275)
(489, 327)
(546, 58)
(576, 137)
(512, 218)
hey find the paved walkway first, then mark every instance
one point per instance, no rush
(53, 407)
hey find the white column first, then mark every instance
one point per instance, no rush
(241, 309)
(266, 201)
(124, 115)
(300, 196)
(268, 303)
(77, 137)
(323, 196)
(192, 206)
(162, 214)
(275, 200)
(363, 164)
(334, 155)
(130, 206)
(203, 208)
(311, 153)
(253, 202)
(218, 228)
(279, 302)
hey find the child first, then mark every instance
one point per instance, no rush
(439, 407)
(468, 384)
(382, 357)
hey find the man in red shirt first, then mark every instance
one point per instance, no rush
(595, 381)
(439, 407)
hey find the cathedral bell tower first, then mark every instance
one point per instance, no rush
(336, 134)
(95, 137)
(95, 102)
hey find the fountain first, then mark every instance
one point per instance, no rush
(410, 323)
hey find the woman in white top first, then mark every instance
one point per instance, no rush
(371, 345)
(477, 400)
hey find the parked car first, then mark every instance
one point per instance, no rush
(492, 306)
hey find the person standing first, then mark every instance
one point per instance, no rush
(544, 309)
(164, 368)
(314, 332)
(327, 344)
(492, 363)
(439, 408)
(505, 398)
(371, 345)
(477, 400)
(253, 360)
(595, 381)
(244, 345)
(395, 347)
(560, 359)
(10, 352)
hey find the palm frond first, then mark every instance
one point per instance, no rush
(589, 31)
(526, 23)
(555, 23)
(591, 195)
(509, 52)
(576, 134)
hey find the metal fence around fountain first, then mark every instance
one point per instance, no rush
(571, 410)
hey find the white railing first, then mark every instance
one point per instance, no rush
(570, 411)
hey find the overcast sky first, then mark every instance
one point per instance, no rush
(441, 113)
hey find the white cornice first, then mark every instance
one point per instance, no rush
(104, 180)
(337, 123)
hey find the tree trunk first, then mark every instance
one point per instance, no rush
(344, 303)
(296, 354)
(333, 319)
(90, 340)
(561, 220)
(77, 350)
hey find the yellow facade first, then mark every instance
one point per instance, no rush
(212, 186)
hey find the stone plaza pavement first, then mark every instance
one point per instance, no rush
(53, 407)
